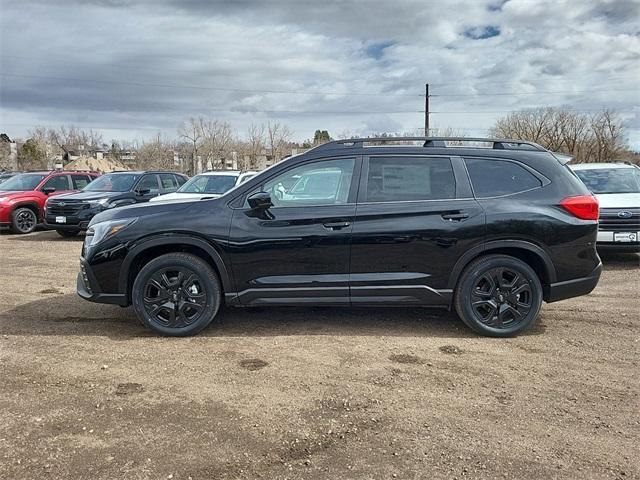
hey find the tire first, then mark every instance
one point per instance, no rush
(23, 220)
(176, 294)
(68, 233)
(498, 296)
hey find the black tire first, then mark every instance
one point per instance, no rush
(23, 220)
(498, 296)
(68, 233)
(177, 294)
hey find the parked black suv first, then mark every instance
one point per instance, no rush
(69, 214)
(491, 232)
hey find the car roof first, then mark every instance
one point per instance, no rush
(142, 172)
(233, 173)
(596, 166)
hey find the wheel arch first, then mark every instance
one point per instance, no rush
(154, 247)
(533, 255)
(30, 205)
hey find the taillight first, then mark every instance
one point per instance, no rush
(582, 206)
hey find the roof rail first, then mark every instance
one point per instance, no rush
(436, 142)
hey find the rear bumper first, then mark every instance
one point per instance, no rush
(573, 288)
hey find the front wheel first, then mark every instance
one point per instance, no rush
(176, 294)
(498, 296)
(23, 220)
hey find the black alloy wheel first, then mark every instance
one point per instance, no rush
(176, 294)
(498, 295)
(23, 220)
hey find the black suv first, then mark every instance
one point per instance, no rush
(69, 214)
(491, 232)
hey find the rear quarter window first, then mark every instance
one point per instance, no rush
(494, 178)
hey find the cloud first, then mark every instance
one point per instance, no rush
(132, 68)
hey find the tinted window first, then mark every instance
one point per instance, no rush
(59, 182)
(168, 182)
(319, 183)
(181, 180)
(394, 179)
(80, 181)
(149, 182)
(611, 180)
(492, 178)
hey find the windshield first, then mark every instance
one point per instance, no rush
(23, 182)
(216, 184)
(113, 182)
(611, 180)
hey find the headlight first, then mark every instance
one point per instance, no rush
(103, 202)
(105, 230)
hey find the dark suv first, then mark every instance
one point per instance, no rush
(491, 232)
(69, 214)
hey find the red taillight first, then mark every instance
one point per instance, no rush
(582, 206)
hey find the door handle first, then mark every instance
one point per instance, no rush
(336, 225)
(455, 216)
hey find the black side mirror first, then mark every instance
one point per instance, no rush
(143, 191)
(48, 190)
(260, 201)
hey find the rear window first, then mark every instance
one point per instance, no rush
(493, 178)
(396, 179)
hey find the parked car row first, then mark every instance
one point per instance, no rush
(66, 201)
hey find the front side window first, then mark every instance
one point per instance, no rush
(149, 182)
(396, 179)
(113, 182)
(319, 183)
(59, 182)
(212, 184)
(24, 182)
(611, 180)
(493, 178)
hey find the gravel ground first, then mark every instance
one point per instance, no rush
(86, 392)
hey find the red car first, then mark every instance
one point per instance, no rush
(22, 197)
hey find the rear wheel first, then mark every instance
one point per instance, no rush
(176, 294)
(498, 296)
(23, 220)
(68, 233)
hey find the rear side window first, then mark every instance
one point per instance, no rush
(396, 179)
(80, 181)
(168, 182)
(492, 178)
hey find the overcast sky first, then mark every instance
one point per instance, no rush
(133, 68)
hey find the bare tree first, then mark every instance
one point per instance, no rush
(192, 131)
(254, 145)
(595, 138)
(279, 137)
(156, 154)
(217, 143)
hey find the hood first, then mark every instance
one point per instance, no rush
(619, 200)
(183, 197)
(14, 194)
(86, 196)
(140, 210)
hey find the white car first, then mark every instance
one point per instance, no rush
(206, 185)
(617, 187)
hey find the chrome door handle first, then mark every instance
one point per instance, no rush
(455, 217)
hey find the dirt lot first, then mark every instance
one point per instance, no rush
(86, 392)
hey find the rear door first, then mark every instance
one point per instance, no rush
(297, 251)
(416, 216)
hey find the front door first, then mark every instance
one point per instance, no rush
(297, 251)
(415, 218)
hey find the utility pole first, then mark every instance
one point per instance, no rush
(426, 110)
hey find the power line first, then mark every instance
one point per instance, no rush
(558, 92)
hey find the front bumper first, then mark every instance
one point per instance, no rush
(87, 288)
(49, 224)
(573, 288)
(606, 242)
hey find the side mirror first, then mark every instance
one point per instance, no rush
(48, 190)
(143, 191)
(260, 201)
